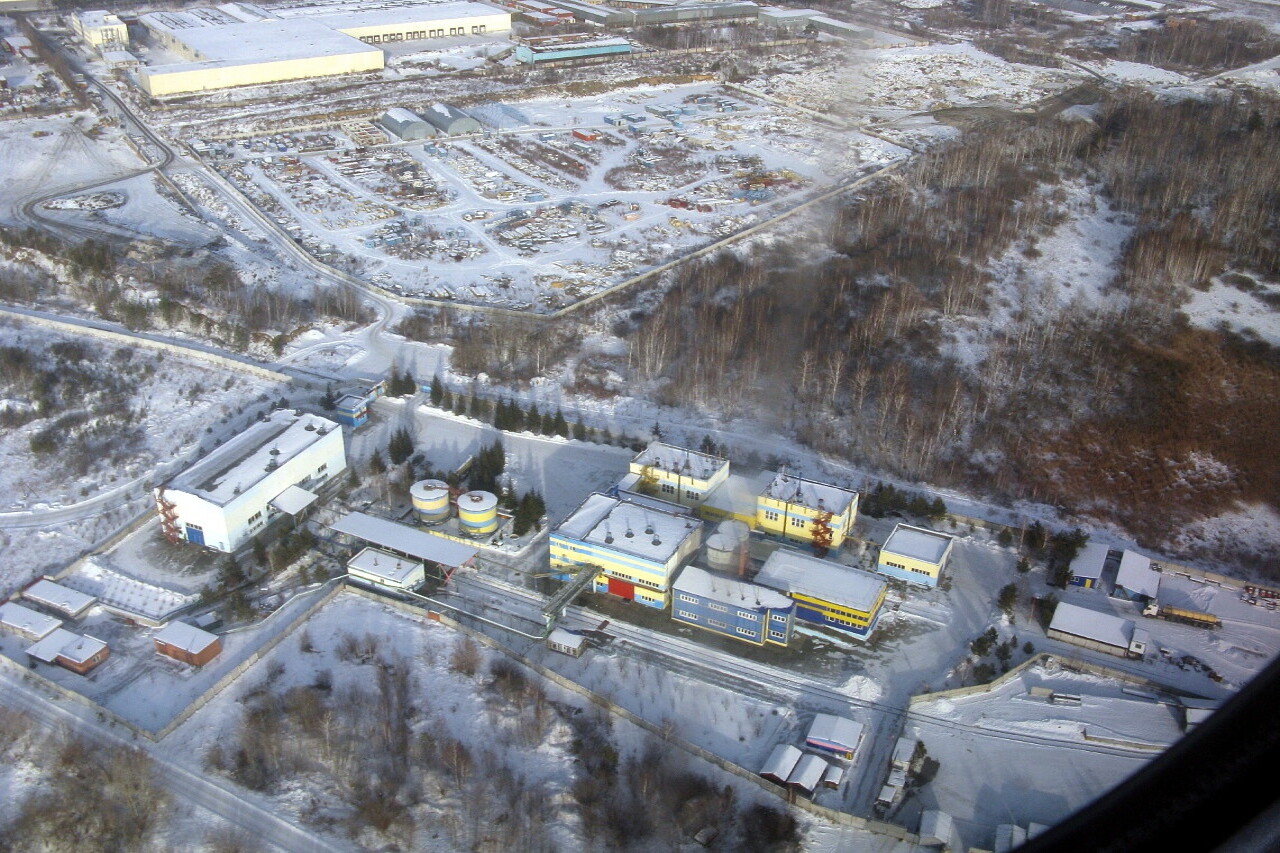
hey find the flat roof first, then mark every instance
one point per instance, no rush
(809, 493)
(384, 564)
(28, 621)
(561, 637)
(738, 493)
(838, 732)
(1092, 625)
(294, 500)
(796, 572)
(1137, 576)
(57, 596)
(1089, 562)
(407, 540)
(629, 528)
(241, 463)
(189, 638)
(669, 457)
(739, 593)
(357, 17)
(917, 543)
(233, 41)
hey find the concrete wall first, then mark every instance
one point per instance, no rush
(165, 80)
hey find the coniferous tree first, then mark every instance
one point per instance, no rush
(559, 425)
(400, 448)
(533, 418)
(579, 429)
(437, 390)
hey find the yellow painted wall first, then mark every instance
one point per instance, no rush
(497, 22)
(158, 82)
(911, 564)
(783, 526)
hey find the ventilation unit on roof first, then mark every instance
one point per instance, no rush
(657, 541)
(630, 533)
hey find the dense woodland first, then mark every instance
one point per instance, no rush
(1114, 410)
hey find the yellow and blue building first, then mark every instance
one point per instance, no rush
(806, 511)
(826, 593)
(1086, 568)
(915, 555)
(635, 549)
(675, 474)
(731, 607)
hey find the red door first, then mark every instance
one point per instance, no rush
(622, 589)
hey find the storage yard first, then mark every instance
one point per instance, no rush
(550, 203)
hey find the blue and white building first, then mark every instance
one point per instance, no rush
(826, 593)
(1086, 568)
(731, 607)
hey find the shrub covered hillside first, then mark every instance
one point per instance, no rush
(940, 339)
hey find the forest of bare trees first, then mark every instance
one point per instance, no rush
(1102, 408)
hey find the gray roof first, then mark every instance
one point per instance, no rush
(1089, 562)
(794, 572)
(917, 543)
(189, 638)
(405, 539)
(1137, 576)
(1092, 625)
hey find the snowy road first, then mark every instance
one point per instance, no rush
(235, 806)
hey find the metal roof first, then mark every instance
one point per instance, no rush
(406, 540)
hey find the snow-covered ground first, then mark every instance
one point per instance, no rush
(1253, 310)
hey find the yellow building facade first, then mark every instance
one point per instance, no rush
(677, 475)
(807, 511)
(915, 555)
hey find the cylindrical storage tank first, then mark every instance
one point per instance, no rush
(430, 500)
(722, 553)
(478, 512)
(735, 531)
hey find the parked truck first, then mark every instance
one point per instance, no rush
(1178, 614)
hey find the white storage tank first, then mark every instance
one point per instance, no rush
(722, 553)
(736, 531)
(430, 500)
(478, 512)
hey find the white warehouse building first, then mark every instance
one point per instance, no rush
(240, 44)
(226, 498)
(100, 28)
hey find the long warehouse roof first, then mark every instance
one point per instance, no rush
(405, 539)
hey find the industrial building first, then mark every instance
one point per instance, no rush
(783, 759)
(1086, 568)
(448, 120)
(404, 124)
(239, 44)
(1137, 579)
(675, 474)
(28, 624)
(187, 643)
(1090, 629)
(352, 408)
(377, 568)
(808, 774)
(566, 642)
(915, 555)
(405, 541)
(837, 735)
(731, 607)
(790, 20)
(636, 549)
(806, 511)
(69, 651)
(100, 28)
(63, 599)
(826, 593)
(229, 496)
(541, 50)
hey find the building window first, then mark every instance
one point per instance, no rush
(685, 614)
(257, 515)
(322, 468)
(746, 632)
(770, 515)
(668, 488)
(719, 608)
(750, 617)
(778, 635)
(894, 565)
(688, 598)
(778, 617)
(717, 623)
(691, 494)
(799, 522)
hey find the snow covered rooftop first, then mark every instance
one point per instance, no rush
(678, 460)
(63, 643)
(18, 618)
(935, 827)
(294, 500)
(230, 41)
(1137, 576)
(567, 639)
(737, 495)
(1089, 562)
(244, 461)
(748, 596)
(808, 772)
(904, 750)
(629, 528)
(820, 496)
(407, 540)
(186, 637)
(781, 761)
(796, 572)
(1092, 625)
(917, 543)
(403, 13)
(59, 597)
(836, 733)
(384, 564)
(125, 593)
(400, 114)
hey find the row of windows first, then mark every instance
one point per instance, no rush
(422, 34)
(778, 635)
(641, 581)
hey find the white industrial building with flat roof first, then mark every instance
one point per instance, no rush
(100, 28)
(226, 498)
(27, 623)
(915, 554)
(55, 596)
(239, 44)
(1091, 629)
(384, 569)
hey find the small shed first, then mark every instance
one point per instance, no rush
(187, 643)
(781, 762)
(55, 596)
(448, 120)
(1086, 568)
(838, 735)
(566, 642)
(406, 124)
(807, 774)
(27, 623)
(1091, 629)
(384, 569)
(904, 753)
(70, 651)
(834, 776)
(935, 828)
